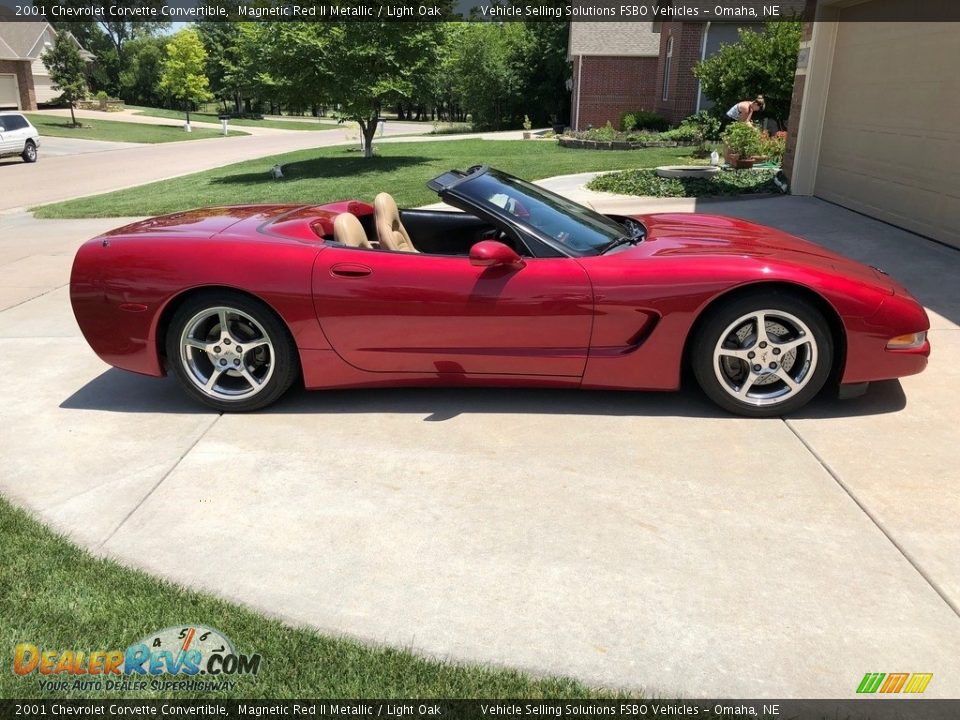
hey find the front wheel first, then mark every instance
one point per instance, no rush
(231, 352)
(29, 153)
(764, 354)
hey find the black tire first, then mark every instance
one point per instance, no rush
(29, 153)
(762, 366)
(268, 366)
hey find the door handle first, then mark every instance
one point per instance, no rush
(350, 270)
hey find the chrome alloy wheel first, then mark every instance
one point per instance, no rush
(226, 354)
(765, 357)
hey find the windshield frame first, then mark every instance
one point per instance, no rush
(460, 190)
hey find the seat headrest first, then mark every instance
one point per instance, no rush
(348, 230)
(390, 230)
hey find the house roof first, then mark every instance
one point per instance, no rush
(21, 40)
(6, 52)
(17, 39)
(635, 39)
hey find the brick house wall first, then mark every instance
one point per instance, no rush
(21, 68)
(611, 86)
(682, 86)
(799, 83)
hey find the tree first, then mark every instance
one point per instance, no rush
(67, 70)
(222, 43)
(486, 79)
(183, 75)
(362, 67)
(525, 71)
(762, 63)
(544, 58)
(140, 78)
(106, 38)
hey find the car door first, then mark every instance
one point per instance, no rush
(21, 133)
(413, 312)
(4, 142)
(14, 135)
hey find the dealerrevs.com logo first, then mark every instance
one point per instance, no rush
(187, 657)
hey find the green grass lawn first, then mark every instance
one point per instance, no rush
(58, 597)
(337, 173)
(116, 131)
(299, 124)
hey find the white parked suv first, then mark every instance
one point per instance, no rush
(18, 137)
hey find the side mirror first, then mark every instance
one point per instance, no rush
(490, 253)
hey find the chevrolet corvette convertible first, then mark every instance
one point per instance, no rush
(515, 286)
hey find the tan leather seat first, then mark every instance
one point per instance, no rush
(390, 231)
(348, 230)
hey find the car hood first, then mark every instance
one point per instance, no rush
(699, 235)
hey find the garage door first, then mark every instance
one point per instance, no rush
(891, 139)
(9, 96)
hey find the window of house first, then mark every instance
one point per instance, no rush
(666, 68)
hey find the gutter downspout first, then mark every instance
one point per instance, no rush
(576, 105)
(703, 56)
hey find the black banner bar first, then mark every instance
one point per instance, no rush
(742, 12)
(873, 708)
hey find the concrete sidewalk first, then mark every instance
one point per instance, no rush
(632, 540)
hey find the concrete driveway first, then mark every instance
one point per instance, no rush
(636, 540)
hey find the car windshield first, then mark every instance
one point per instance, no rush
(580, 230)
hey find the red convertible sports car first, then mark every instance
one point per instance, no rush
(523, 287)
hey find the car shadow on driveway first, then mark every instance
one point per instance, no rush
(119, 391)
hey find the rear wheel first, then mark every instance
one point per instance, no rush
(231, 352)
(764, 354)
(29, 153)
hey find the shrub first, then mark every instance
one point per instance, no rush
(773, 145)
(684, 133)
(646, 182)
(605, 134)
(743, 139)
(643, 120)
(451, 128)
(764, 62)
(707, 126)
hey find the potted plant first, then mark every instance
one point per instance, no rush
(742, 144)
(527, 127)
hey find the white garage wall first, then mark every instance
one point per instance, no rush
(890, 142)
(42, 84)
(9, 92)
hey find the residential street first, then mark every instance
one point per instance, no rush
(633, 540)
(61, 178)
(52, 147)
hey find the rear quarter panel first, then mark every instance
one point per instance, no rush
(123, 287)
